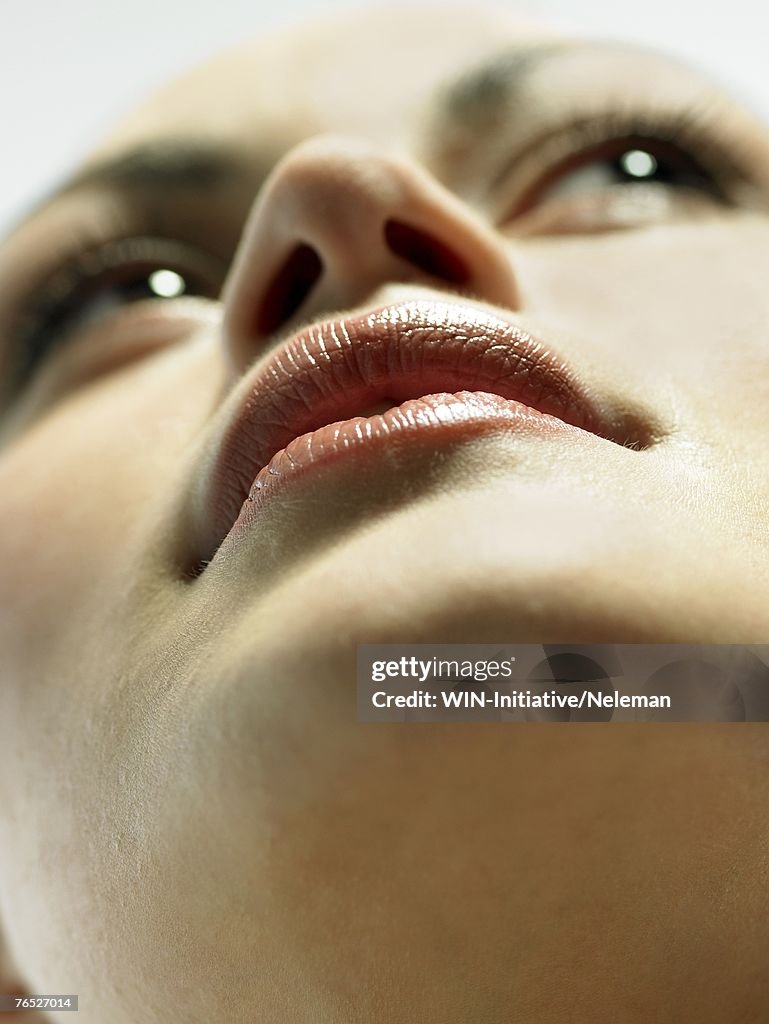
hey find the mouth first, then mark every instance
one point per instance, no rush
(421, 369)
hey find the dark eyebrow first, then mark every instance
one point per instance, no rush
(160, 166)
(163, 163)
(479, 94)
(478, 97)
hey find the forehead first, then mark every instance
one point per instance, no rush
(370, 75)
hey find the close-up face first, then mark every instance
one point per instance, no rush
(393, 329)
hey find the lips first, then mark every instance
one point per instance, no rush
(413, 368)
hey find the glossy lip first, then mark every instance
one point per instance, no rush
(315, 398)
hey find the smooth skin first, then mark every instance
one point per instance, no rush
(193, 826)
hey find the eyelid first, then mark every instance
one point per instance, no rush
(145, 329)
(85, 220)
(89, 266)
(697, 131)
(701, 181)
(48, 321)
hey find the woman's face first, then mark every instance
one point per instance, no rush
(194, 827)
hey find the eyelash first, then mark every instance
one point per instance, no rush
(122, 263)
(693, 136)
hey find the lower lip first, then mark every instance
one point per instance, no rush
(431, 421)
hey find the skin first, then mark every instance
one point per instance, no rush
(193, 826)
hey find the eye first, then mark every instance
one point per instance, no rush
(597, 184)
(625, 162)
(98, 284)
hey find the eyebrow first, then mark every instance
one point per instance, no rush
(161, 166)
(479, 94)
(164, 163)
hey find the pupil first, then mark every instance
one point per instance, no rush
(166, 284)
(638, 164)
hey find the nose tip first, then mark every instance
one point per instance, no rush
(335, 222)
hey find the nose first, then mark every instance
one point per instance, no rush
(334, 222)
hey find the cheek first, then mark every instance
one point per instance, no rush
(81, 481)
(667, 291)
(675, 317)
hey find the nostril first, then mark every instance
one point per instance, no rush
(425, 252)
(289, 288)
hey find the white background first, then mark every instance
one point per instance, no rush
(68, 67)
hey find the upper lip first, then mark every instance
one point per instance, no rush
(341, 368)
